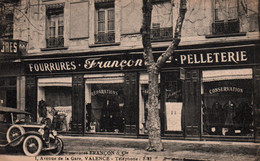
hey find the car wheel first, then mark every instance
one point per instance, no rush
(59, 149)
(14, 132)
(32, 146)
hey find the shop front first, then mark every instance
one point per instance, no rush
(205, 93)
(227, 102)
(218, 92)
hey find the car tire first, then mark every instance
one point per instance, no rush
(14, 132)
(32, 145)
(59, 149)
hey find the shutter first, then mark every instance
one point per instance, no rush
(79, 20)
(192, 103)
(78, 90)
(131, 103)
(31, 96)
(257, 103)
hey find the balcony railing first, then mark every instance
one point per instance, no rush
(229, 27)
(103, 38)
(161, 34)
(54, 42)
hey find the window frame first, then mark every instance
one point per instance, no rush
(227, 25)
(104, 33)
(160, 31)
(55, 15)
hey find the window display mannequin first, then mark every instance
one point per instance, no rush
(229, 108)
(217, 117)
(244, 117)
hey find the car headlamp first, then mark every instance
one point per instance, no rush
(41, 131)
(54, 132)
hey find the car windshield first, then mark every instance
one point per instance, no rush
(22, 118)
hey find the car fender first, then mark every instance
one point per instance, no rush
(17, 140)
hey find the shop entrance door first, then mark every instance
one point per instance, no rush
(192, 103)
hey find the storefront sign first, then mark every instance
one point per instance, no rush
(227, 56)
(235, 86)
(214, 57)
(104, 92)
(87, 64)
(226, 89)
(12, 46)
(211, 58)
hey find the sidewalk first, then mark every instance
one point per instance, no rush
(133, 149)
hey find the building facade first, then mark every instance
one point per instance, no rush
(84, 68)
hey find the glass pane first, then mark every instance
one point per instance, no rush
(221, 12)
(111, 26)
(101, 26)
(52, 32)
(226, 108)
(173, 102)
(53, 23)
(101, 15)
(110, 15)
(60, 31)
(106, 112)
(56, 106)
(226, 9)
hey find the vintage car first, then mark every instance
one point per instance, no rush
(18, 131)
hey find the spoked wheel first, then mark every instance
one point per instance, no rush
(14, 132)
(59, 149)
(32, 146)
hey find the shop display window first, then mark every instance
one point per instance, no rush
(227, 104)
(173, 101)
(105, 109)
(54, 102)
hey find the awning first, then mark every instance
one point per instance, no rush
(104, 78)
(60, 81)
(230, 74)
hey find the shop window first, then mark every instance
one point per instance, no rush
(105, 110)
(55, 26)
(173, 101)
(105, 23)
(161, 21)
(54, 102)
(226, 17)
(227, 103)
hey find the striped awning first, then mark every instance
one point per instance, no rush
(230, 74)
(61, 81)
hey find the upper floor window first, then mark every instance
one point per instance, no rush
(105, 23)
(7, 21)
(226, 17)
(55, 26)
(161, 21)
